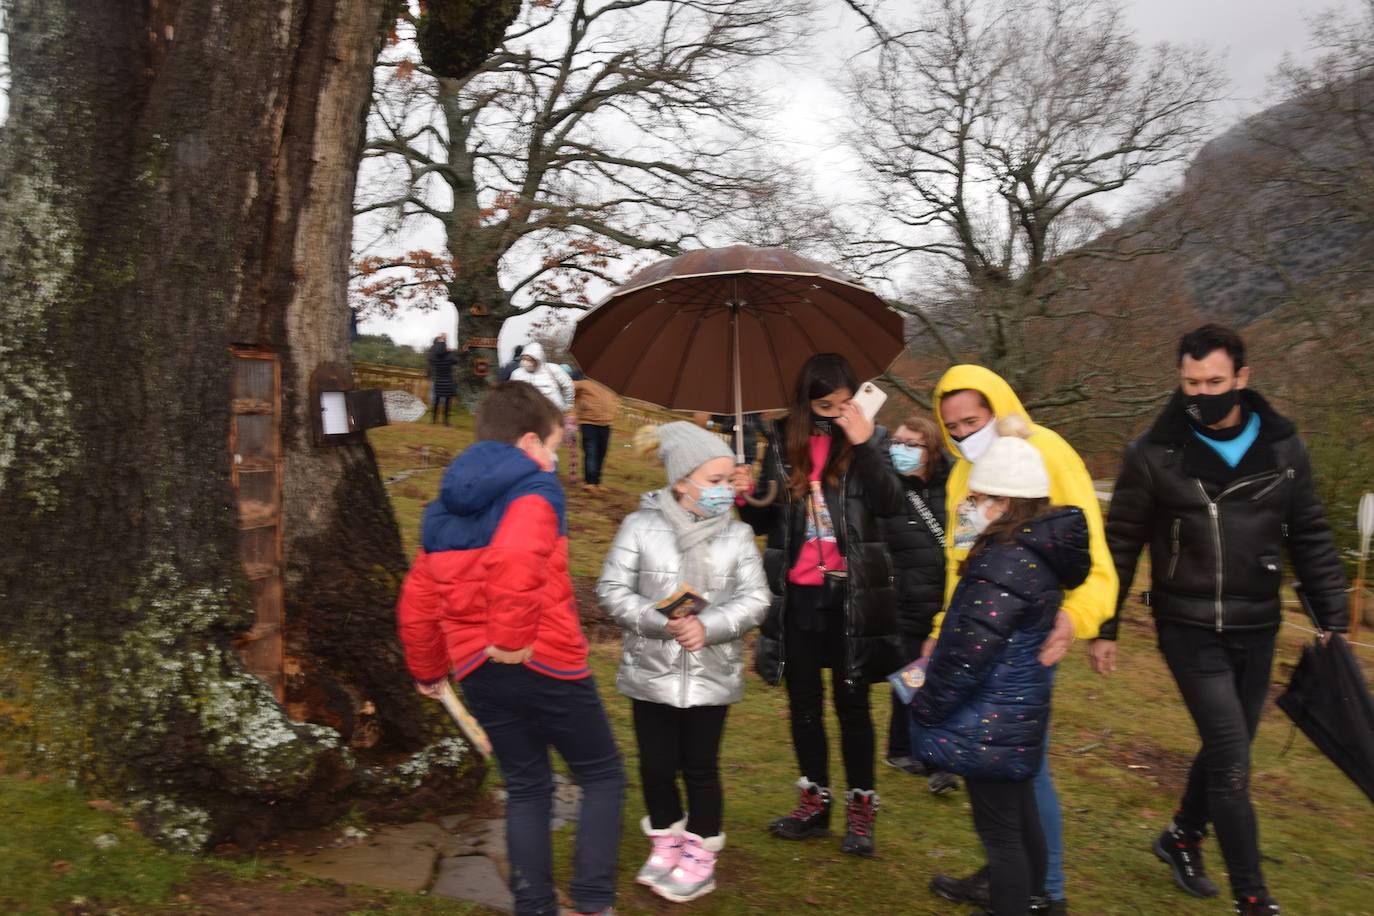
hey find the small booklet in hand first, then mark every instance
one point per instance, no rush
(682, 603)
(909, 680)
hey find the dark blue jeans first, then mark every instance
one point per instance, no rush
(524, 713)
(595, 440)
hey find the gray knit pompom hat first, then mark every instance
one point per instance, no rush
(682, 447)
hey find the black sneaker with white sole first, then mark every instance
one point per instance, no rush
(1257, 906)
(1180, 850)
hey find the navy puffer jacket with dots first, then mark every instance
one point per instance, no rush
(985, 705)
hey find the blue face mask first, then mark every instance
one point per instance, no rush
(715, 500)
(906, 458)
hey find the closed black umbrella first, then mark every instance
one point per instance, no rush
(1328, 698)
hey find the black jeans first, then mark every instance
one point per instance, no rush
(524, 713)
(443, 400)
(1008, 823)
(815, 641)
(1224, 679)
(686, 741)
(595, 440)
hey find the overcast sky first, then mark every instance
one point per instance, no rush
(1251, 36)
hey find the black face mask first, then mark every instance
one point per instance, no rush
(1209, 409)
(826, 425)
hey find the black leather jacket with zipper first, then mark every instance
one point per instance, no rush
(1217, 534)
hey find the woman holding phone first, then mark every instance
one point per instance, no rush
(834, 605)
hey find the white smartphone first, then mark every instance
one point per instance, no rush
(870, 399)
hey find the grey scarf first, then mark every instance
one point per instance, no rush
(694, 536)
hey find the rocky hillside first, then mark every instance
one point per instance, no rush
(1283, 205)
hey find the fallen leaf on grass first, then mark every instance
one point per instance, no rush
(60, 867)
(102, 804)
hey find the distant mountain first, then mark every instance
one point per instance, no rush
(1277, 200)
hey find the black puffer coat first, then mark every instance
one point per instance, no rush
(1216, 534)
(986, 701)
(919, 559)
(870, 489)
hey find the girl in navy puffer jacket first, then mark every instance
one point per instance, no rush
(985, 704)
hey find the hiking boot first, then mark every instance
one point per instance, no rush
(908, 764)
(695, 874)
(810, 818)
(974, 889)
(1257, 906)
(666, 850)
(1042, 905)
(860, 819)
(942, 783)
(1179, 850)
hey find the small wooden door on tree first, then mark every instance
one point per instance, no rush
(256, 471)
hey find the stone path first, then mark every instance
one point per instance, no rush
(459, 857)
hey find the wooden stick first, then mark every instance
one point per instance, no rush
(467, 723)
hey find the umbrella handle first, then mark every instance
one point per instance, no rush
(767, 499)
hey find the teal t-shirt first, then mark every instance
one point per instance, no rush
(1232, 450)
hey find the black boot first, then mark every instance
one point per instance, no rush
(810, 818)
(860, 819)
(973, 889)
(1257, 906)
(1040, 905)
(942, 783)
(1178, 849)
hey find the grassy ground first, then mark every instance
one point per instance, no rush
(1120, 754)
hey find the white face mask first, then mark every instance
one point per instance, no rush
(976, 516)
(975, 445)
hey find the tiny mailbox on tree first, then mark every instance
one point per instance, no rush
(343, 411)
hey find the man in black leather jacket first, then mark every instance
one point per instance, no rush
(1217, 487)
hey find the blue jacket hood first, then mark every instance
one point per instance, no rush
(482, 474)
(1061, 539)
(477, 488)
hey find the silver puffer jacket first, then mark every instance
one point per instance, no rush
(641, 570)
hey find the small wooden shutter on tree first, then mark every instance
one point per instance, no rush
(256, 472)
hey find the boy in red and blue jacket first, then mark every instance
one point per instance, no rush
(489, 601)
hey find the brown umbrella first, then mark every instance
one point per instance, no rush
(726, 330)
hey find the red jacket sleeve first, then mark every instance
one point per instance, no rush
(417, 622)
(517, 567)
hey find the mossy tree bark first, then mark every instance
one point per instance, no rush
(177, 177)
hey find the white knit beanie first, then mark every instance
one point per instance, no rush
(682, 447)
(1011, 466)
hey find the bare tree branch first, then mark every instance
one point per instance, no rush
(988, 135)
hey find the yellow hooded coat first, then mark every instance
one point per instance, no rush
(1092, 603)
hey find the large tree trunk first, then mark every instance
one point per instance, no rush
(483, 306)
(177, 178)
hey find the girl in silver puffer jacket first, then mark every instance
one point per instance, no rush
(682, 673)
